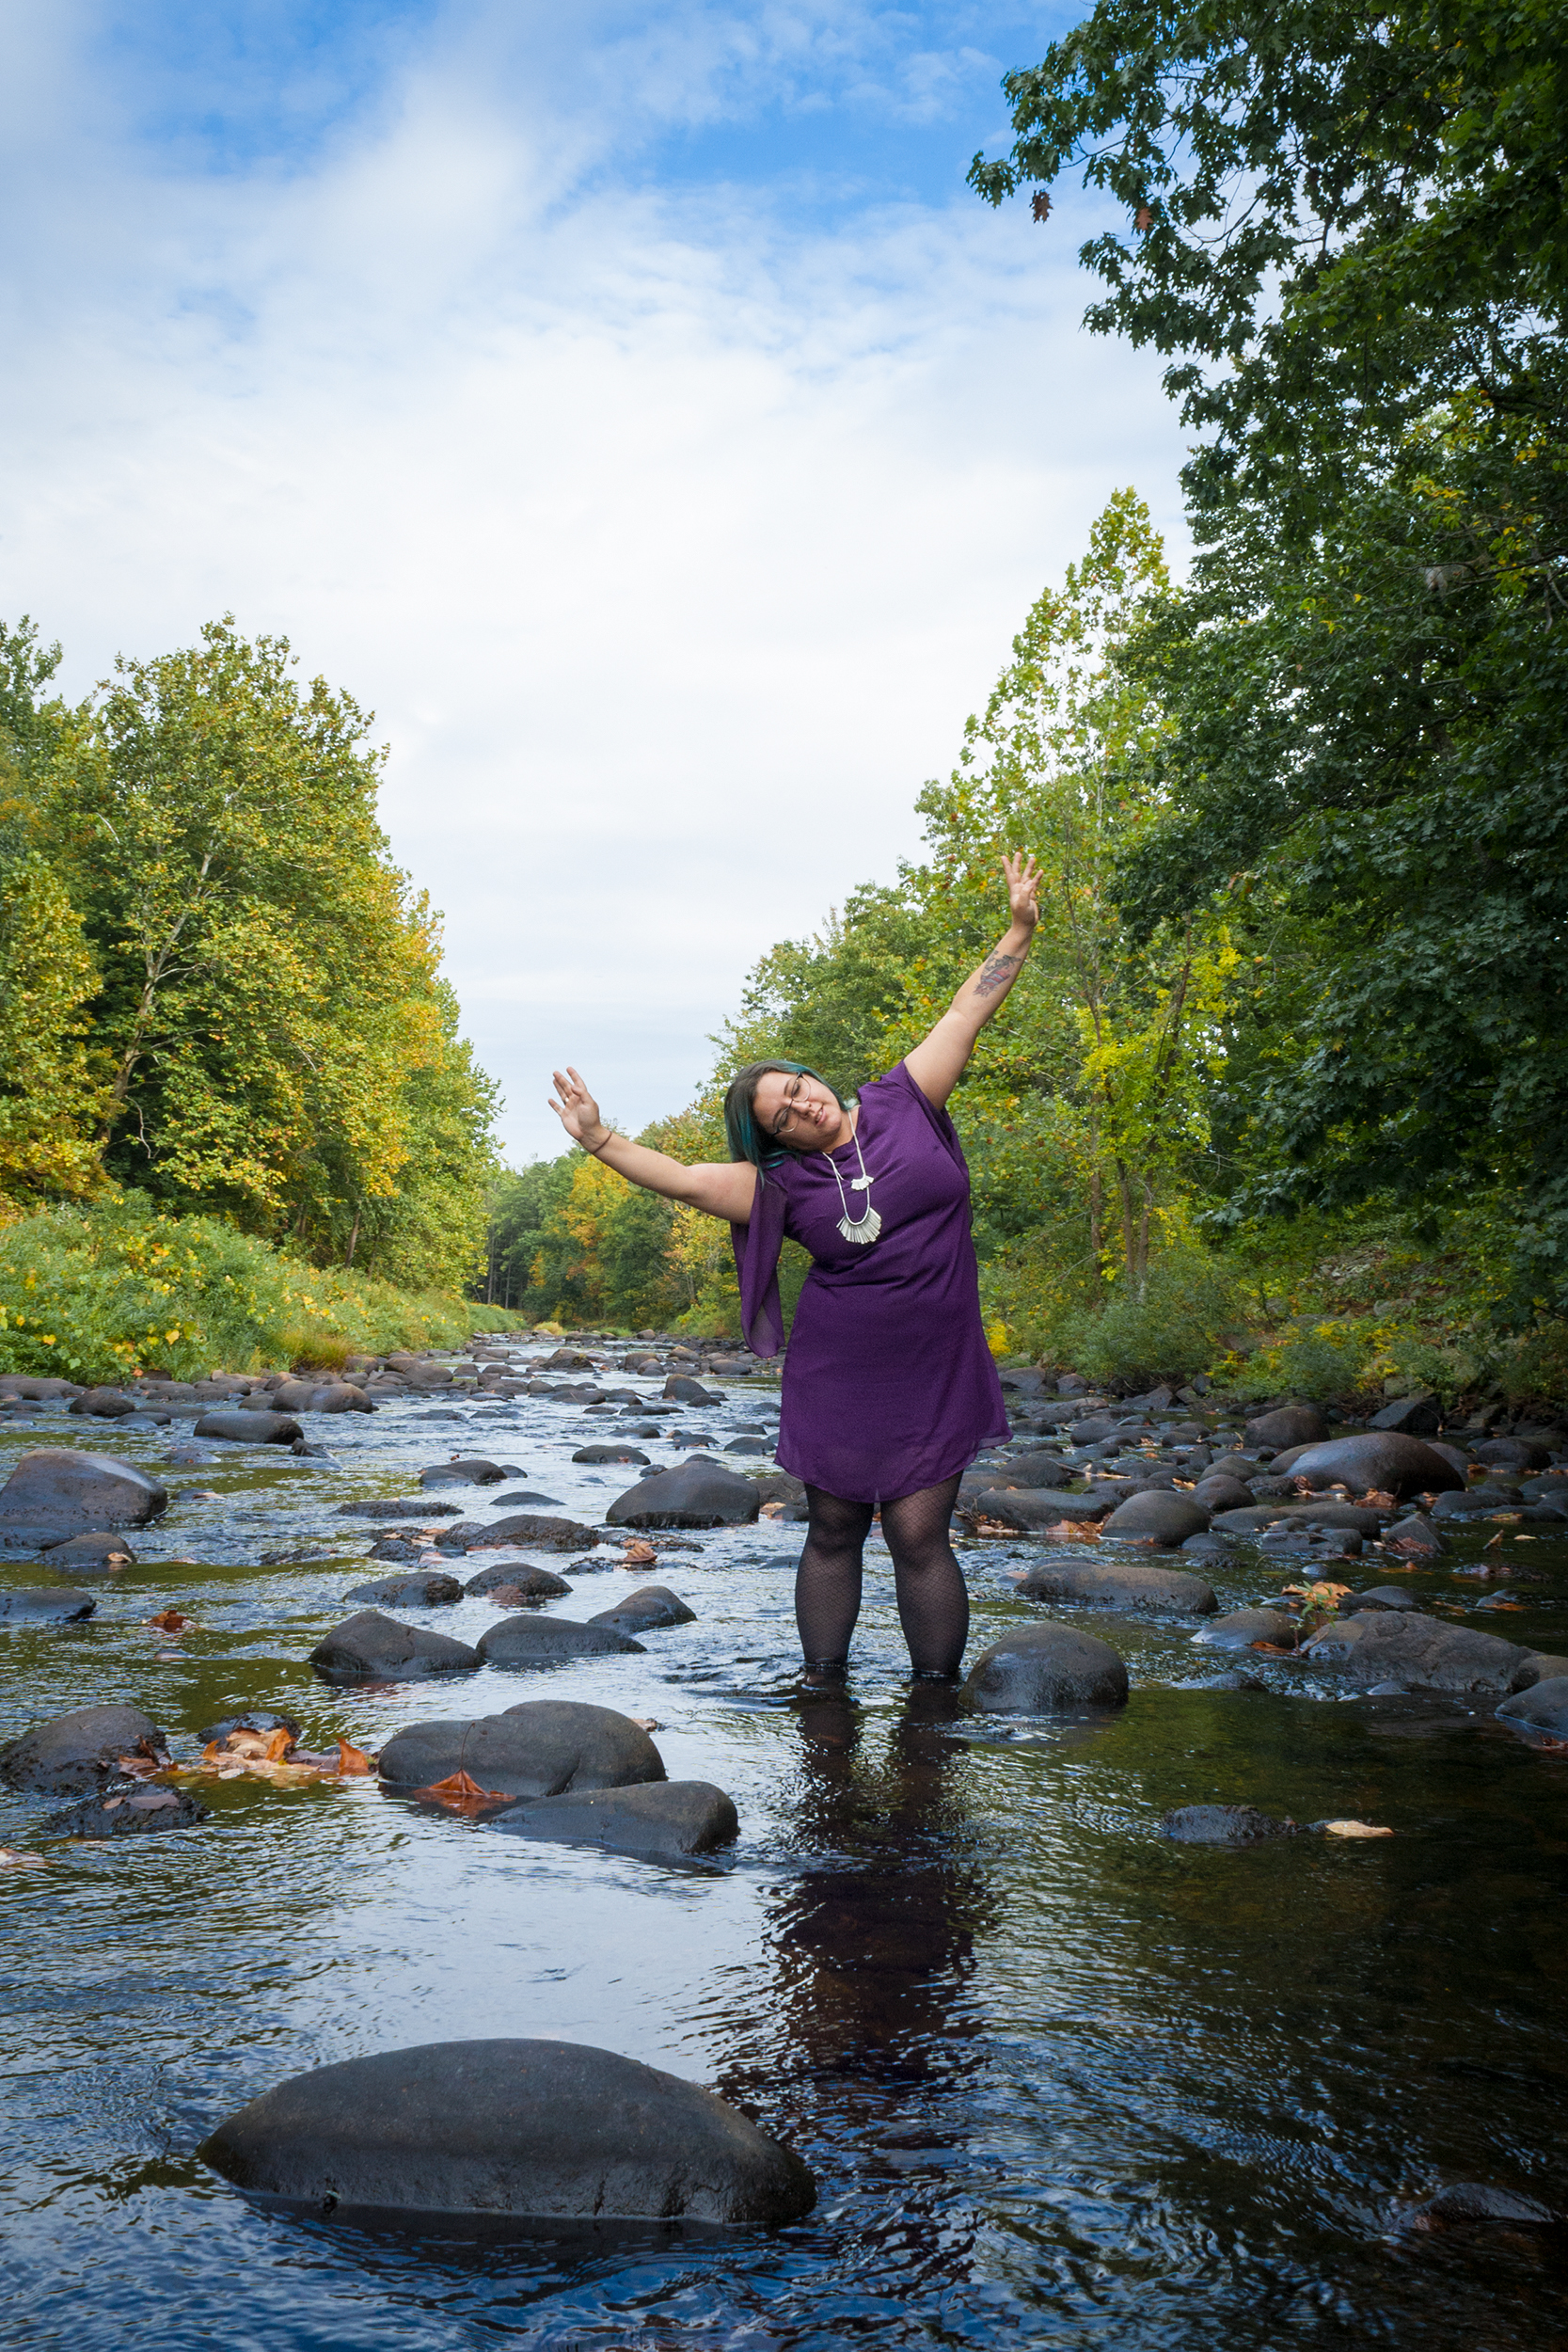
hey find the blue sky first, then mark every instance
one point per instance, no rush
(631, 405)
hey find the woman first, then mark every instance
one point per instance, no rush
(889, 1387)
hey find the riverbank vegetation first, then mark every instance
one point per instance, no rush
(1283, 1094)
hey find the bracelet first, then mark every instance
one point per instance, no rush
(594, 1150)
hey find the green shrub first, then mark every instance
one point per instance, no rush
(1329, 1361)
(96, 1293)
(1173, 1330)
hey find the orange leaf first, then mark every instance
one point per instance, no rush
(459, 1793)
(1074, 1531)
(351, 1759)
(170, 1621)
(278, 1745)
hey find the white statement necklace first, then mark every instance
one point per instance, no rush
(865, 1227)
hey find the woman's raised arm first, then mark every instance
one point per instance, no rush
(937, 1062)
(724, 1187)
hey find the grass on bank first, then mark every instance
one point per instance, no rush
(97, 1294)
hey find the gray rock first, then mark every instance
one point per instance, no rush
(245, 1428)
(525, 1530)
(1540, 1666)
(540, 1749)
(468, 1469)
(79, 1751)
(550, 1641)
(1349, 1517)
(1222, 1493)
(1476, 2201)
(1417, 1415)
(521, 1577)
(1381, 1459)
(1034, 1514)
(400, 1507)
(497, 2131)
(427, 1589)
(1046, 1670)
(1418, 1652)
(1541, 1707)
(1164, 1518)
(650, 1607)
(1476, 1501)
(697, 1494)
(1119, 1584)
(260, 1719)
(685, 1391)
(1240, 1628)
(1416, 1538)
(84, 1555)
(1287, 1426)
(1031, 1470)
(1377, 1596)
(1512, 1454)
(56, 1489)
(44, 1604)
(610, 1454)
(372, 1649)
(666, 1823)
(132, 1811)
(106, 1403)
(748, 1445)
(320, 1396)
(1223, 1825)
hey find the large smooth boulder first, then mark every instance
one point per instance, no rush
(1421, 1653)
(1119, 1584)
(1287, 1424)
(249, 1428)
(320, 1396)
(697, 1494)
(44, 1604)
(683, 1389)
(668, 1821)
(650, 1607)
(1046, 1670)
(540, 1749)
(1542, 1708)
(1223, 1825)
(468, 1470)
(56, 1489)
(79, 1751)
(1030, 1513)
(1380, 1460)
(551, 1641)
(372, 1649)
(1222, 1493)
(106, 1404)
(518, 1576)
(1155, 1517)
(529, 2131)
(1238, 1629)
(427, 1588)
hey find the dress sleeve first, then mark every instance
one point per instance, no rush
(756, 1247)
(898, 1081)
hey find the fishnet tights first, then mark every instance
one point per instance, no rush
(933, 1605)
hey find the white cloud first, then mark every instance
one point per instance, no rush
(670, 543)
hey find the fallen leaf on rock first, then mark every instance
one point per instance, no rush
(12, 1859)
(772, 1510)
(1065, 1532)
(352, 1760)
(1353, 1829)
(170, 1621)
(200, 1494)
(460, 1793)
(1376, 1500)
(638, 1555)
(143, 1762)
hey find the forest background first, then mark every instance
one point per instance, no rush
(1281, 1093)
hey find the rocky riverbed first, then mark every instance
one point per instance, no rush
(1105, 2023)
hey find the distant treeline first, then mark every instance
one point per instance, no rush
(1285, 1087)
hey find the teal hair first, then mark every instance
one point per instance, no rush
(747, 1141)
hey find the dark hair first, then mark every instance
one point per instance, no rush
(740, 1124)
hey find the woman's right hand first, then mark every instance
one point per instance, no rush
(576, 1110)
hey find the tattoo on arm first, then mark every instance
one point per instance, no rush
(993, 974)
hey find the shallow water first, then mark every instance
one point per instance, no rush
(1057, 2078)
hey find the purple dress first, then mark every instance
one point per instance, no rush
(888, 1385)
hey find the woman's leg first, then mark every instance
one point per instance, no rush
(827, 1580)
(933, 1604)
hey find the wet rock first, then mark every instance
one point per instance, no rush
(1240, 1628)
(400, 1507)
(428, 1589)
(1466, 2202)
(1031, 1470)
(247, 1428)
(1415, 1538)
(372, 1649)
(539, 1749)
(649, 1607)
(1222, 1493)
(550, 1641)
(1377, 1596)
(320, 1396)
(1542, 1708)
(535, 2131)
(106, 1403)
(132, 1811)
(1540, 1666)
(38, 1392)
(1223, 1825)
(1476, 1501)
(1348, 1517)
(1417, 1415)
(468, 1469)
(1032, 1513)
(81, 1555)
(610, 1454)
(1164, 1518)
(1287, 1426)
(1119, 1584)
(697, 1494)
(79, 1751)
(667, 1822)
(1380, 1459)
(531, 1583)
(59, 1490)
(260, 1719)
(568, 1359)
(35, 1604)
(1512, 1454)
(1046, 1670)
(685, 1391)
(1419, 1653)
(524, 1531)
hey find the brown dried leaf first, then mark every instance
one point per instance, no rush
(280, 1743)
(170, 1621)
(638, 1555)
(645, 1722)
(460, 1793)
(12, 1858)
(352, 1760)
(1072, 1532)
(1353, 1828)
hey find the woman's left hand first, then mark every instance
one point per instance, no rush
(1023, 881)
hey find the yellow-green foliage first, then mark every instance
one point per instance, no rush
(94, 1294)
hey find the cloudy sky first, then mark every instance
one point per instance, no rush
(629, 403)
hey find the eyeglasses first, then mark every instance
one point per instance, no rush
(789, 1110)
